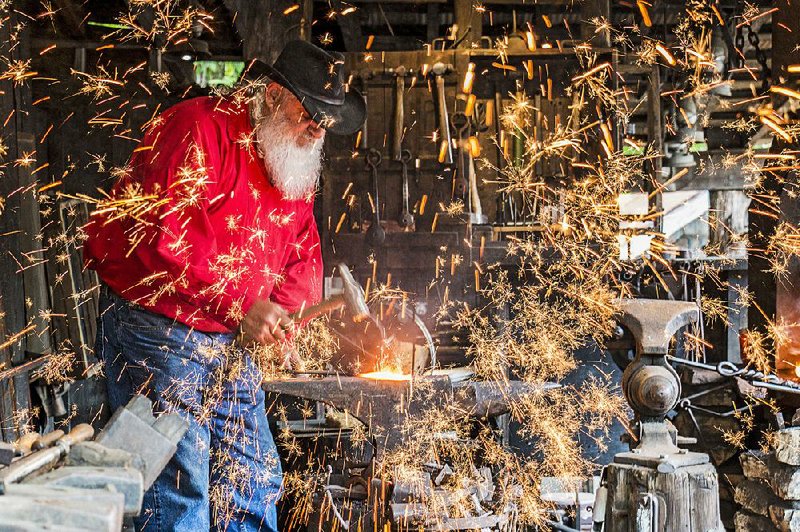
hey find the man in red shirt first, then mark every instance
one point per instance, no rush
(209, 233)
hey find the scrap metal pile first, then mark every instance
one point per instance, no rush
(433, 497)
(70, 482)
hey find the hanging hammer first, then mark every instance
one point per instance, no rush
(442, 121)
(352, 298)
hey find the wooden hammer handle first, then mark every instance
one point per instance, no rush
(24, 442)
(79, 433)
(47, 440)
(323, 307)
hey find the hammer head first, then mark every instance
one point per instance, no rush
(440, 69)
(354, 298)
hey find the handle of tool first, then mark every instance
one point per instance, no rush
(45, 458)
(399, 117)
(323, 307)
(79, 433)
(444, 123)
(406, 194)
(475, 198)
(377, 197)
(363, 145)
(47, 440)
(25, 442)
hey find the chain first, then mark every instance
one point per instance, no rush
(755, 377)
(739, 45)
(752, 38)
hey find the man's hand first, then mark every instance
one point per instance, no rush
(265, 322)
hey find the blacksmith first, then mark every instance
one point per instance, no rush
(208, 234)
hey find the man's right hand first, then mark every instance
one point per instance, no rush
(265, 322)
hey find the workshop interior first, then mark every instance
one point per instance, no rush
(561, 278)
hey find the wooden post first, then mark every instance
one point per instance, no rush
(655, 137)
(308, 18)
(468, 19)
(263, 26)
(778, 300)
(19, 228)
(591, 9)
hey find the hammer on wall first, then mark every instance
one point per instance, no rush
(352, 298)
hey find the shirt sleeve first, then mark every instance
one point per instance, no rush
(301, 282)
(177, 164)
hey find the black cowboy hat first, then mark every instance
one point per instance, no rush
(316, 78)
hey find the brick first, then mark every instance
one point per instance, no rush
(754, 464)
(755, 496)
(786, 518)
(787, 446)
(747, 522)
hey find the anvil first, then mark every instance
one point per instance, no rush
(383, 405)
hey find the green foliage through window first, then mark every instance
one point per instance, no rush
(216, 73)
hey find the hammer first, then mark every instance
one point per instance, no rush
(352, 298)
(439, 70)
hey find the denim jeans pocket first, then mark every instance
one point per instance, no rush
(135, 317)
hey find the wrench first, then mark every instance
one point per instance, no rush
(406, 218)
(460, 184)
(375, 234)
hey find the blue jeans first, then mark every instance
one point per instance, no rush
(226, 473)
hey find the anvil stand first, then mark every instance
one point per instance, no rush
(656, 485)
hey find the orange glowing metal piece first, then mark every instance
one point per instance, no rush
(443, 151)
(469, 77)
(470, 107)
(666, 54)
(474, 146)
(645, 14)
(385, 375)
(786, 92)
(530, 41)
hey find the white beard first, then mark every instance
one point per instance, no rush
(294, 169)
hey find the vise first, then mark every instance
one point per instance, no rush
(657, 485)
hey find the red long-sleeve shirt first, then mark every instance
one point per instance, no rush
(194, 229)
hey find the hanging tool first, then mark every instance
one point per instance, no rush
(472, 178)
(23, 445)
(406, 218)
(398, 118)
(47, 440)
(439, 70)
(375, 234)
(503, 212)
(363, 77)
(460, 183)
(45, 458)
